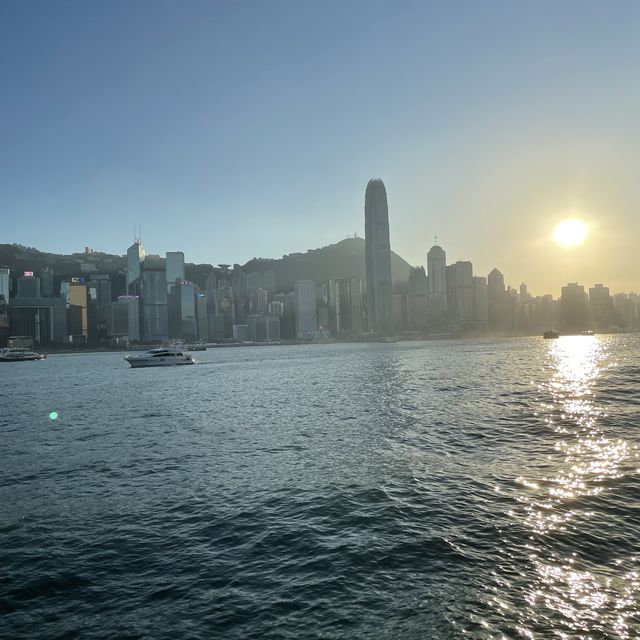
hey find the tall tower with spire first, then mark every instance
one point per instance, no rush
(378, 257)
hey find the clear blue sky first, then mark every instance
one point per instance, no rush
(240, 129)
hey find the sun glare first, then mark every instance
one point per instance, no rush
(570, 233)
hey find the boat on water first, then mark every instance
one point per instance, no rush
(160, 358)
(20, 354)
(587, 332)
(550, 335)
(197, 346)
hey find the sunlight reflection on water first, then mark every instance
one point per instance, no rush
(566, 589)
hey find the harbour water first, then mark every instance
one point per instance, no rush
(446, 489)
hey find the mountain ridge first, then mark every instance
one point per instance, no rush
(345, 258)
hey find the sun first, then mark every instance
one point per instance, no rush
(570, 233)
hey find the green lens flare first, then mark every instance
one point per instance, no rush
(53, 415)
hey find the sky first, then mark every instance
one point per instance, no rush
(233, 130)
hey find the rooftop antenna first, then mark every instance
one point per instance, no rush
(435, 238)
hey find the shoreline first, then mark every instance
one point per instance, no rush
(286, 343)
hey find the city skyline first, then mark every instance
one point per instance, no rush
(554, 290)
(153, 301)
(248, 130)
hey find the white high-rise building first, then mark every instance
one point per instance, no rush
(306, 315)
(437, 282)
(378, 257)
(135, 260)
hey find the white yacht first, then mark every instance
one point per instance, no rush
(19, 354)
(160, 358)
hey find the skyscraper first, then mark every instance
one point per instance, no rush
(175, 267)
(5, 283)
(573, 308)
(135, 262)
(437, 282)
(417, 299)
(305, 301)
(460, 291)
(154, 305)
(378, 257)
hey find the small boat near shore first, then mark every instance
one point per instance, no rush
(159, 358)
(20, 354)
(550, 335)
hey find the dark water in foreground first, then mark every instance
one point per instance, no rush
(480, 489)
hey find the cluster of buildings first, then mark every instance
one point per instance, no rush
(448, 299)
(157, 303)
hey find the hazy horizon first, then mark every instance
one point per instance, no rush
(250, 130)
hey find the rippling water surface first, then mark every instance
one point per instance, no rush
(479, 489)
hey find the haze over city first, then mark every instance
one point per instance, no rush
(243, 130)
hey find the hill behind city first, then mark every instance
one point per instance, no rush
(342, 259)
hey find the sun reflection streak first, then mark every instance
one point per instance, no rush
(567, 592)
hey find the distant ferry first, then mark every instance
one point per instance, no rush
(548, 335)
(587, 332)
(160, 358)
(19, 354)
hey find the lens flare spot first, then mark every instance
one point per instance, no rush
(53, 415)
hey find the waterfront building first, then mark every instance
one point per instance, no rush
(254, 282)
(418, 299)
(64, 290)
(202, 316)
(43, 319)
(378, 258)
(154, 305)
(239, 282)
(240, 332)
(5, 283)
(118, 319)
(133, 316)
(501, 305)
(459, 282)
(4, 320)
(480, 302)
(263, 327)
(174, 263)
(305, 309)
(188, 328)
(269, 283)
(288, 316)
(135, 266)
(28, 286)
(627, 308)
(222, 313)
(212, 282)
(276, 308)
(344, 305)
(78, 311)
(258, 301)
(46, 282)
(573, 308)
(101, 291)
(437, 285)
(603, 313)
(399, 312)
